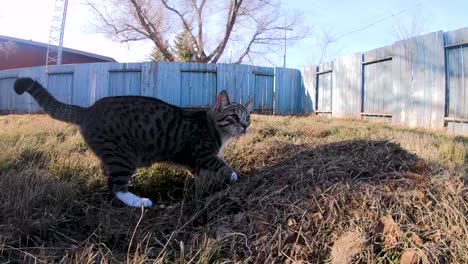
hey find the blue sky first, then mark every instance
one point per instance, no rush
(30, 19)
(343, 17)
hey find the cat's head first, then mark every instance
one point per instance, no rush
(232, 119)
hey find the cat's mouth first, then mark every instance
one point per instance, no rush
(242, 132)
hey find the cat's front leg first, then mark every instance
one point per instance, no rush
(217, 166)
(234, 177)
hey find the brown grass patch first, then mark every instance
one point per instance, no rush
(306, 182)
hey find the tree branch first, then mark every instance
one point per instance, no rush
(130, 27)
(102, 17)
(252, 28)
(184, 23)
(233, 11)
(247, 50)
(201, 46)
(153, 32)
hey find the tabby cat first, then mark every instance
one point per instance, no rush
(127, 132)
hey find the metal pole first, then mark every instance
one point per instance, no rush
(62, 31)
(285, 37)
(284, 57)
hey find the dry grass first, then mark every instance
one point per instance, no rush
(306, 184)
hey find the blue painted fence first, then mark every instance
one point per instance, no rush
(191, 85)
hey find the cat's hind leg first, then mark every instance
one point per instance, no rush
(118, 181)
(132, 200)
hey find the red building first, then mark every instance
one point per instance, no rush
(21, 53)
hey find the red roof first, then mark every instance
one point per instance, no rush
(28, 53)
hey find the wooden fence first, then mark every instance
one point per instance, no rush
(419, 82)
(189, 85)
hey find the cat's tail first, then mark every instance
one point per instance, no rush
(57, 110)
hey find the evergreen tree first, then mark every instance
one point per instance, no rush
(184, 47)
(156, 55)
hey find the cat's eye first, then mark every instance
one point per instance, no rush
(247, 119)
(236, 117)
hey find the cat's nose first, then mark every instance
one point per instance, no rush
(244, 128)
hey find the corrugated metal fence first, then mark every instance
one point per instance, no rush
(189, 85)
(419, 82)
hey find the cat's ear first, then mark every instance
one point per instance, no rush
(222, 100)
(249, 105)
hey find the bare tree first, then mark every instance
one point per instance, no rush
(245, 28)
(7, 49)
(325, 39)
(325, 46)
(405, 30)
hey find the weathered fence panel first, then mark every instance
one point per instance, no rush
(168, 82)
(377, 84)
(417, 82)
(263, 89)
(325, 89)
(434, 81)
(347, 82)
(457, 80)
(289, 91)
(420, 81)
(82, 79)
(198, 85)
(310, 87)
(61, 85)
(377, 55)
(7, 98)
(377, 100)
(324, 92)
(124, 83)
(318, 87)
(183, 84)
(237, 81)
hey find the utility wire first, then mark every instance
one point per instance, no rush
(376, 22)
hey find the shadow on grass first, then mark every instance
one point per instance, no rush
(324, 190)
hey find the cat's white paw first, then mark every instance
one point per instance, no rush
(234, 177)
(132, 200)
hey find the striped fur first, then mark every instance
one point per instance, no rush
(58, 110)
(127, 132)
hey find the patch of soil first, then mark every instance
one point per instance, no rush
(346, 247)
(387, 233)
